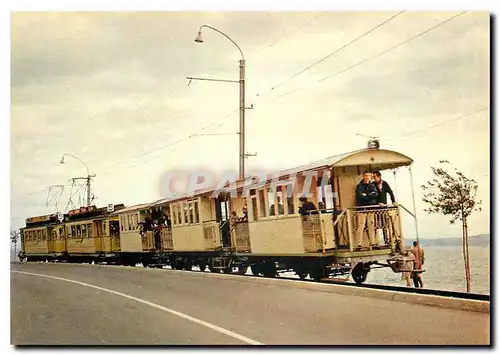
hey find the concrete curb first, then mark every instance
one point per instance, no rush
(426, 300)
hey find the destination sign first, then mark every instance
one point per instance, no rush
(38, 219)
(82, 210)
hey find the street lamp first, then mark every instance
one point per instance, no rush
(85, 178)
(242, 155)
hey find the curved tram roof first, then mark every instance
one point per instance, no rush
(380, 159)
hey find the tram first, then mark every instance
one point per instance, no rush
(248, 223)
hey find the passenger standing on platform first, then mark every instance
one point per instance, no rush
(418, 251)
(366, 195)
(383, 189)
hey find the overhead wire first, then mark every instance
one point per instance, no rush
(374, 56)
(331, 54)
(170, 144)
(438, 124)
(218, 123)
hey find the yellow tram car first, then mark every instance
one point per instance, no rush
(247, 223)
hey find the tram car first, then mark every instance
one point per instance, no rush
(248, 223)
(86, 234)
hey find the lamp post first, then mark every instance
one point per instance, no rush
(242, 108)
(86, 178)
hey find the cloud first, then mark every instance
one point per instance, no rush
(111, 89)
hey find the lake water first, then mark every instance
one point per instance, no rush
(445, 270)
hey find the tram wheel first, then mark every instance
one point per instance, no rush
(359, 273)
(255, 269)
(269, 270)
(316, 274)
(202, 266)
(302, 274)
(242, 269)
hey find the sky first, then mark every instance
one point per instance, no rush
(111, 89)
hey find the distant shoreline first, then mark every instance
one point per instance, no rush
(474, 240)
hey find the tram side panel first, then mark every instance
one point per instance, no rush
(130, 237)
(80, 238)
(36, 243)
(193, 229)
(277, 236)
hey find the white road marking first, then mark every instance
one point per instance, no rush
(154, 305)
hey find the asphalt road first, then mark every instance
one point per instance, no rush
(137, 306)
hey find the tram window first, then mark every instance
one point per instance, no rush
(89, 230)
(54, 234)
(174, 215)
(223, 210)
(279, 199)
(179, 213)
(253, 202)
(121, 223)
(185, 207)
(328, 196)
(271, 202)
(191, 210)
(135, 221)
(262, 204)
(83, 227)
(196, 213)
(289, 199)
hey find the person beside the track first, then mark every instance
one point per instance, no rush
(418, 252)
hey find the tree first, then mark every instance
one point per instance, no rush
(15, 234)
(455, 196)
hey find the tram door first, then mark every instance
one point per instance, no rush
(51, 239)
(222, 216)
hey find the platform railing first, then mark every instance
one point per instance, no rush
(371, 219)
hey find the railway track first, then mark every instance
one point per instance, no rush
(423, 291)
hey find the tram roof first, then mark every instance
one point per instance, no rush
(132, 208)
(380, 159)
